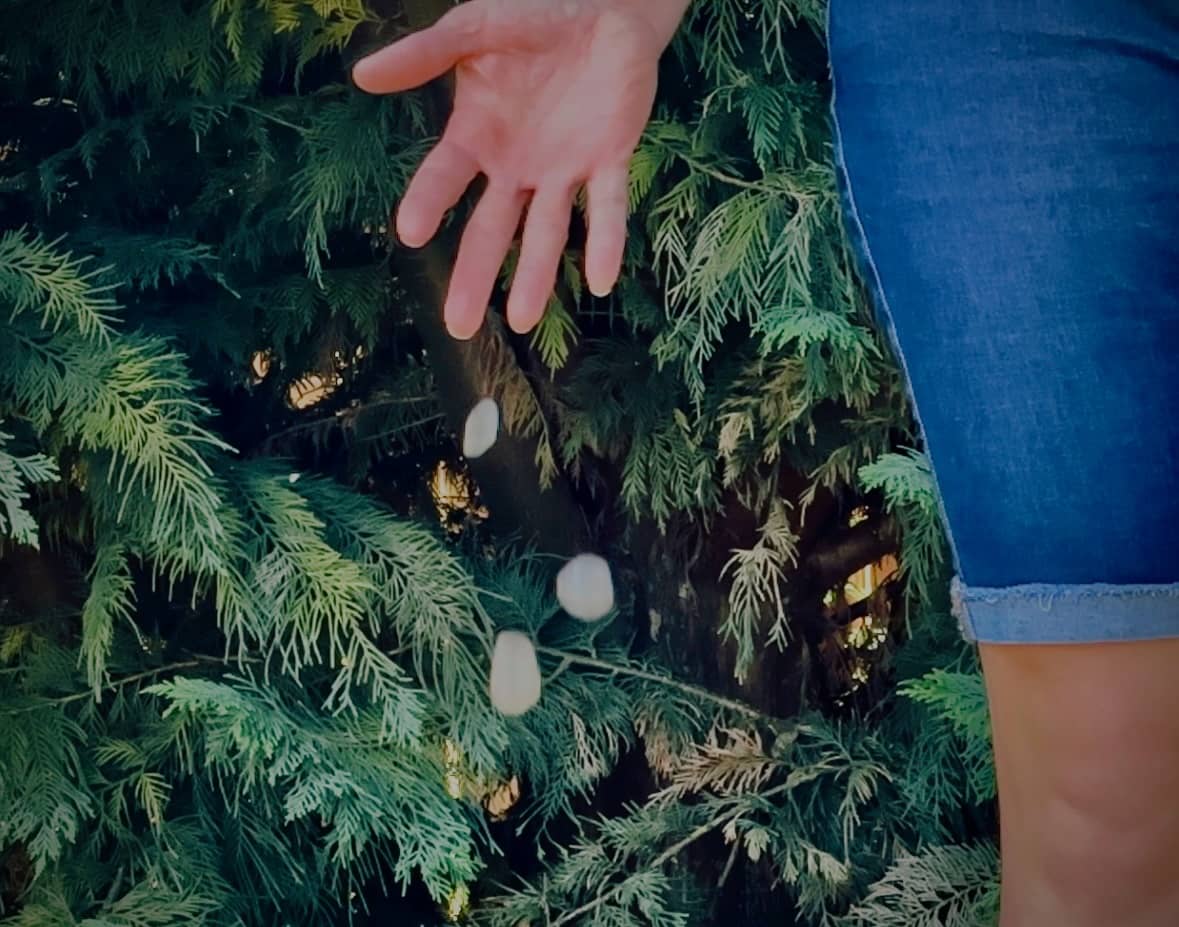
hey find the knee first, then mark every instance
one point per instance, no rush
(1108, 837)
(1087, 747)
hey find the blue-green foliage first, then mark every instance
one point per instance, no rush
(261, 690)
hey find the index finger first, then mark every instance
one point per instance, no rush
(419, 58)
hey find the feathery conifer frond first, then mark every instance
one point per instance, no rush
(959, 700)
(143, 261)
(906, 479)
(422, 593)
(369, 793)
(44, 801)
(947, 886)
(232, 192)
(35, 275)
(17, 476)
(757, 577)
(111, 600)
(347, 172)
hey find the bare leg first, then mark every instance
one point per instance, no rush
(1087, 755)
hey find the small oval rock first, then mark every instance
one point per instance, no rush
(585, 587)
(515, 674)
(482, 428)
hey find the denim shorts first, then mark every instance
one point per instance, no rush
(1010, 172)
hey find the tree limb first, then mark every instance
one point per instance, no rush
(840, 555)
(842, 614)
(507, 475)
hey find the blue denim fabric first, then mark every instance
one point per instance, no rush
(1011, 175)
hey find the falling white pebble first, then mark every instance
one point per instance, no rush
(584, 587)
(294, 478)
(482, 428)
(515, 674)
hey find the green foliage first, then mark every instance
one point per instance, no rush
(554, 335)
(592, 882)
(364, 792)
(906, 479)
(35, 275)
(148, 262)
(427, 597)
(756, 572)
(346, 174)
(17, 476)
(246, 681)
(959, 701)
(111, 599)
(798, 803)
(45, 803)
(951, 886)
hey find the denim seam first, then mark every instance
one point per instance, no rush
(1006, 614)
(1049, 592)
(883, 310)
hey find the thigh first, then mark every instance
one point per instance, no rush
(1010, 178)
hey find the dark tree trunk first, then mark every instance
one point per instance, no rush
(675, 575)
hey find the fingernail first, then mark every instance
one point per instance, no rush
(406, 233)
(357, 72)
(517, 323)
(459, 331)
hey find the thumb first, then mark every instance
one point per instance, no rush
(419, 58)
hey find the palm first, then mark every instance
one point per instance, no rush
(550, 96)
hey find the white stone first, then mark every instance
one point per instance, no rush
(515, 674)
(585, 588)
(482, 428)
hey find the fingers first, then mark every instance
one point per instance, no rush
(440, 181)
(421, 57)
(545, 232)
(608, 208)
(485, 243)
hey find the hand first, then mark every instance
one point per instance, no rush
(551, 95)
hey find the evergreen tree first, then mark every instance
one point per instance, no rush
(249, 587)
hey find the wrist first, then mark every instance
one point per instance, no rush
(664, 16)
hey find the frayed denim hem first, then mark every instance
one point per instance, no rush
(1041, 613)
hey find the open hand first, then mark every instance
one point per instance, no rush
(551, 95)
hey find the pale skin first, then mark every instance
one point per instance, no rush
(553, 95)
(532, 76)
(1087, 755)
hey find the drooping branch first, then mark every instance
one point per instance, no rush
(737, 707)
